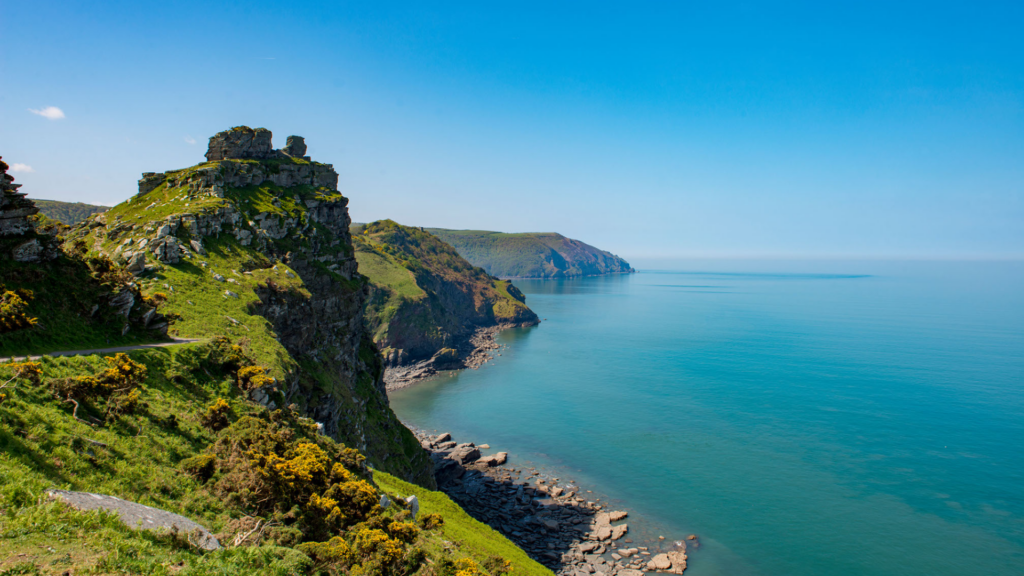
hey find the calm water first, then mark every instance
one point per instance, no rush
(802, 418)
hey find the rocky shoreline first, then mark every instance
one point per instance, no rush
(551, 519)
(473, 352)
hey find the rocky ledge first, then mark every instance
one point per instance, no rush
(550, 519)
(472, 352)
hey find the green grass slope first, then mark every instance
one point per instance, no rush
(424, 297)
(148, 453)
(69, 213)
(531, 254)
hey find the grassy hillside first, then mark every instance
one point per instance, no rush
(265, 431)
(532, 254)
(161, 448)
(69, 213)
(425, 297)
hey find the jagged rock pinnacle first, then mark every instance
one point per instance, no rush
(241, 142)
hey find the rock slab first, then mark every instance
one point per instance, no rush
(138, 516)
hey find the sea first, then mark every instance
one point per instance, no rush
(799, 417)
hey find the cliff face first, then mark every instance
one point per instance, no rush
(255, 245)
(532, 255)
(425, 300)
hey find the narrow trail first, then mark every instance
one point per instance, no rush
(174, 342)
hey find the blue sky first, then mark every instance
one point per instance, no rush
(669, 129)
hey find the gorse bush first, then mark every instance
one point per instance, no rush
(116, 387)
(216, 416)
(13, 307)
(253, 377)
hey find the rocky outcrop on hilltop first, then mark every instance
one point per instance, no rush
(242, 142)
(269, 230)
(14, 207)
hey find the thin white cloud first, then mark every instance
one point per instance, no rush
(16, 167)
(190, 140)
(50, 112)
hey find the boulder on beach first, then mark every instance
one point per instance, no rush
(659, 562)
(494, 459)
(617, 515)
(465, 453)
(619, 531)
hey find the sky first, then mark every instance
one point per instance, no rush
(649, 129)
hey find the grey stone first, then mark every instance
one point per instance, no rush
(30, 251)
(150, 181)
(140, 517)
(167, 250)
(296, 146)
(240, 143)
(123, 301)
(136, 262)
(414, 505)
(465, 453)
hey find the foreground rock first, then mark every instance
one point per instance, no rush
(139, 517)
(549, 519)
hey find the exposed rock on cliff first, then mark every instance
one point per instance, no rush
(276, 228)
(74, 300)
(426, 301)
(14, 207)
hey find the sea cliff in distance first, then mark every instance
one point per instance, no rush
(531, 254)
(428, 308)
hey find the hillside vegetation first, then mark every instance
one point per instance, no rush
(69, 213)
(424, 297)
(181, 435)
(274, 431)
(531, 254)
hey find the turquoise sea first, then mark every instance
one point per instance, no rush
(803, 418)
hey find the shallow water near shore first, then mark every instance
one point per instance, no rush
(802, 418)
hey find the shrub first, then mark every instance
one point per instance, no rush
(430, 521)
(20, 371)
(13, 305)
(253, 377)
(116, 385)
(216, 416)
(200, 467)
(497, 566)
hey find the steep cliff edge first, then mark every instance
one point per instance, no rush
(531, 254)
(254, 244)
(426, 301)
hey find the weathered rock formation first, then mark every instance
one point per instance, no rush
(287, 209)
(17, 225)
(14, 207)
(241, 142)
(295, 147)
